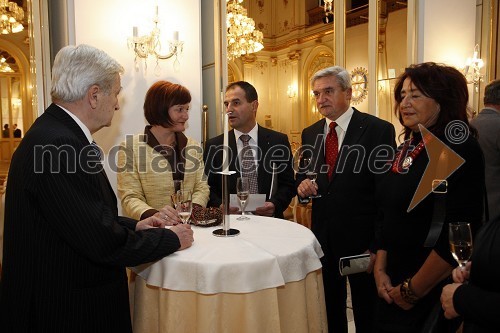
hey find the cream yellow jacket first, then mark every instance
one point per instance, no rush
(145, 177)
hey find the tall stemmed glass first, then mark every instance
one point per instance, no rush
(243, 192)
(460, 238)
(173, 197)
(184, 205)
(311, 174)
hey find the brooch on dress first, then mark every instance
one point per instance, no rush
(399, 166)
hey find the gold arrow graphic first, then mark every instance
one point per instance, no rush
(443, 162)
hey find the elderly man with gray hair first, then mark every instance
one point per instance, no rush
(65, 247)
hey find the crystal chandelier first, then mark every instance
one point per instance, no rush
(11, 16)
(150, 45)
(242, 37)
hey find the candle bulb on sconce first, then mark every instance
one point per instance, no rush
(472, 69)
(150, 45)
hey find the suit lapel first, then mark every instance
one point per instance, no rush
(355, 129)
(318, 150)
(234, 164)
(234, 161)
(264, 142)
(319, 145)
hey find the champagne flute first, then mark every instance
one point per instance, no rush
(243, 192)
(184, 205)
(460, 238)
(177, 186)
(311, 174)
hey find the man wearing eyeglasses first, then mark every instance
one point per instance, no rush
(340, 149)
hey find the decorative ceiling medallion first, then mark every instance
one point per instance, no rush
(359, 81)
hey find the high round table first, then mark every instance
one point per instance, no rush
(266, 279)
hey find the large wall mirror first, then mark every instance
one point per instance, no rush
(16, 93)
(300, 38)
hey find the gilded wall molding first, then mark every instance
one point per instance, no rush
(294, 55)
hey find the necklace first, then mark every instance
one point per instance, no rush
(399, 166)
(169, 146)
(168, 149)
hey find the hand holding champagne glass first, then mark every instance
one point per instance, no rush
(460, 238)
(184, 205)
(243, 192)
(311, 174)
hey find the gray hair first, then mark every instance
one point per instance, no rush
(492, 93)
(343, 77)
(77, 68)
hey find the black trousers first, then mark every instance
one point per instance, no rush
(363, 298)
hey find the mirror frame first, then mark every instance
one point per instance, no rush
(40, 69)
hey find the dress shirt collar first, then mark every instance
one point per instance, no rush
(253, 134)
(84, 128)
(342, 121)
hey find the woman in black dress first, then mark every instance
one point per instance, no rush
(431, 103)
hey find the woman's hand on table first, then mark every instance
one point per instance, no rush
(169, 215)
(185, 234)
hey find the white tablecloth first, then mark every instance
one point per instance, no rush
(267, 253)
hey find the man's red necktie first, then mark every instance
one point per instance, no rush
(331, 149)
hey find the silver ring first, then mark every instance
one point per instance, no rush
(165, 217)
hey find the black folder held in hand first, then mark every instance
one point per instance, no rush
(354, 264)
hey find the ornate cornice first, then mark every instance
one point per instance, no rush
(294, 55)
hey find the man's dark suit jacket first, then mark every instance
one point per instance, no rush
(273, 148)
(65, 247)
(344, 218)
(487, 124)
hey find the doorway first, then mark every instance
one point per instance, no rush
(11, 107)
